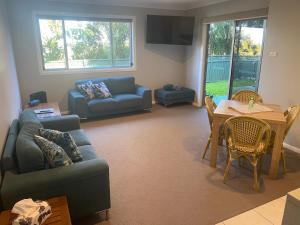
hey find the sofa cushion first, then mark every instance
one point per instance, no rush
(88, 152)
(55, 155)
(64, 140)
(101, 90)
(122, 85)
(100, 105)
(28, 115)
(86, 89)
(79, 137)
(29, 156)
(128, 100)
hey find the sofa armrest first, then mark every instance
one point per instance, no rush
(63, 123)
(146, 93)
(84, 183)
(141, 90)
(78, 104)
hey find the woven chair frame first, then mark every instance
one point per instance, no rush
(246, 95)
(246, 137)
(247, 134)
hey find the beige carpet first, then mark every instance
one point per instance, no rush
(157, 175)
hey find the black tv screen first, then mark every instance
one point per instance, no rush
(173, 30)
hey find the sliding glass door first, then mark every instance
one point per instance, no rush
(247, 55)
(219, 55)
(234, 51)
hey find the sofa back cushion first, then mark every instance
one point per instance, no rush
(122, 85)
(116, 85)
(9, 153)
(30, 157)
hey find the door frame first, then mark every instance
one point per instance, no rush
(231, 67)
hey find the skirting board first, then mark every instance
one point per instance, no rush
(291, 147)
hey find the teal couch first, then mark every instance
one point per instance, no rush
(85, 183)
(126, 97)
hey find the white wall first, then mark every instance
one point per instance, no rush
(156, 64)
(280, 76)
(9, 89)
(194, 54)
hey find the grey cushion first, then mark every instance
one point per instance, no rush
(100, 105)
(64, 140)
(55, 154)
(128, 100)
(30, 157)
(122, 85)
(28, 115)
(88, 152)
(79, 137)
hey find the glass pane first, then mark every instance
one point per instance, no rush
(88, 44)
(121, 35)
(219, 59)
(247, 54)
(52, 44)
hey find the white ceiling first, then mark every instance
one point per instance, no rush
(158, 4)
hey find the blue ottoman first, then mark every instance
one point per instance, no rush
(169, 97)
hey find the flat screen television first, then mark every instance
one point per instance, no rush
(172, 30)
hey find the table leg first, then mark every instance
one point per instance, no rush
(214, 142)
(276, 153)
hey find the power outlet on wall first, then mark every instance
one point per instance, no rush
(273, 54)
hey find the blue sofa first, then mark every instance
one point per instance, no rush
(126, 97)
(25, 174)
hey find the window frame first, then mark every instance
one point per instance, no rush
(82, 17)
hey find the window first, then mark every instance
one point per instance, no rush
(68, 44)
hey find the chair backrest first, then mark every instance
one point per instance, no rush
(247, 134)
(290, 116)
(210, 106)
(246, 95)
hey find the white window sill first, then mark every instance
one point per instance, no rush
(85, 71)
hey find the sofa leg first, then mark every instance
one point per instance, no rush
(107, 214)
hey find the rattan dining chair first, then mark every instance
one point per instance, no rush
(290, 115)
(246, 137)
(210, 106)
(246, 95)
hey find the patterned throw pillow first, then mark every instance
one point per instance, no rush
(64, 140)
(55, 155)
(86, 89)
(101, 90)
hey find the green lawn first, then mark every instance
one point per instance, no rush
(220, 88)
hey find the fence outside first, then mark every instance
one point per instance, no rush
(245, 67)
(89, 63)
